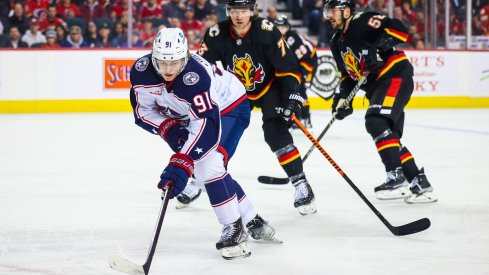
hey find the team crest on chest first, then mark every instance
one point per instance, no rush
(354, 65)
(248, 73)
(142, 64)
(191, 78)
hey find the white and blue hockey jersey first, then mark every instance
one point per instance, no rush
(199, 95)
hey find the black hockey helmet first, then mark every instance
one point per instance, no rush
(281, 20)
(241, 4)
(342, 4)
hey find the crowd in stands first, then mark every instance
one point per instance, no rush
(104, 23)
(411, 12)
(100, 24)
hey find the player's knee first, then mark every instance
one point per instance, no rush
(276, 134)
(377, 126)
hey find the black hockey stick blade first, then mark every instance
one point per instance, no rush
(272, 180)
(411, 228)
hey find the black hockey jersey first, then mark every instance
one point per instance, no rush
(257, 59)
(305, 51)
(351, 48)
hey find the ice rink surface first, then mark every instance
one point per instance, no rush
(77, 188)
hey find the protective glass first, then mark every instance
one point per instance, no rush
(241, 11)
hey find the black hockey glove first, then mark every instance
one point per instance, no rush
(372, 64)
(340, 108)
(294, 105)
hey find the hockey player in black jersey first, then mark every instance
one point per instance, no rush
(305, 51)
(364, 43)
(254, 50)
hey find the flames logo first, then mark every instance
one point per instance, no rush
(247, 72)
(354, 66)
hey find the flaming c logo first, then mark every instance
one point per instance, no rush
(354, 66)
(247, 72)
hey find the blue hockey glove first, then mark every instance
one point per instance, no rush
(339, 110)
(178, 171)
(294, 105)
(174, 132)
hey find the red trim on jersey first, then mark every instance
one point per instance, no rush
(393, 60)
(224, 153)
(236, 103)
(234, 36)
(390, 97)
(262, 92)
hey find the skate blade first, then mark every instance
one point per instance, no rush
(180, 205)
(239, 251)
(307, 209)
(399, 193)
(426, 197)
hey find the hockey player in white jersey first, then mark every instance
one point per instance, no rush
(201, 112)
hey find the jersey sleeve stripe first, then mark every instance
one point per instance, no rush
(294, 75)
(397, 34)
(139, 114)
(234, 104)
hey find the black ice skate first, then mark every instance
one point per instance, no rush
(260, 229)
(421, 189)
(188, 195)
(394, 187)
(233, 241)
(304, 197)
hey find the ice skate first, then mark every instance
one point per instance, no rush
(188, 195)
(233, 243)
(304, 197)
(260, 229)
(421, 189)
(394, 187)
(294, 129)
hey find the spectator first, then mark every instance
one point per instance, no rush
(408, 12)
(75, 39)
(399, 14)
(174, 22)
(104, 37)
(211, 19)
(51, 40)
(7, 8)
(92, 10)
(193, 40)
(419, 44)
(65, 8)
(272, 13)
(34, 7)
(315, 16)
(60, 33)
(202, 9)
(484, 19)
(136, 41)
(33, 35)
(91, 37)
(119, 35)
(118, 8)
(14, 39)
(175, 8)
(51, 19)
(147, 33)
(379, 6)
(190, 23)
(150, 10)
(19, 19)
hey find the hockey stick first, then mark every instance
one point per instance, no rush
(273, 180)
(410, 228)
(124, 265)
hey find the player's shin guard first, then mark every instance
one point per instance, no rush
(223, 198)
(246, 209)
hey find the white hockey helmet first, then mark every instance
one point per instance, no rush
(170, 44)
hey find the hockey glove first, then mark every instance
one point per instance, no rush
(340, 108)
(372, 64)
(178, 171)
(174, 132)
(294, 105)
